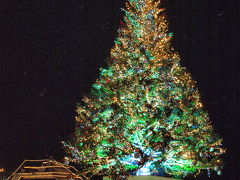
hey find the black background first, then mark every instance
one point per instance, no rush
(51, 51)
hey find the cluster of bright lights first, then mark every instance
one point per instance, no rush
(144, 115)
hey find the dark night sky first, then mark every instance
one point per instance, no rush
(51, 51)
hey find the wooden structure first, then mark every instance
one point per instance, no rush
(45, 169)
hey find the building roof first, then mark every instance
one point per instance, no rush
(45, 169)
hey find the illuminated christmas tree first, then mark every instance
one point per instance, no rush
(144, 115)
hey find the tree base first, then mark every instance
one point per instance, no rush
(143, 178)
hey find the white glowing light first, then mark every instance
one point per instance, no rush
(145, 170)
